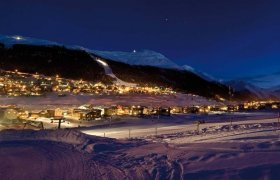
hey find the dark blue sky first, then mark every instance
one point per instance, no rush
(225, 38)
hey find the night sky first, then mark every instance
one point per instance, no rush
(225, 38)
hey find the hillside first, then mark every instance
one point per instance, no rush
(51, 61)
(78, 64)
(244, 89)
(180, 80)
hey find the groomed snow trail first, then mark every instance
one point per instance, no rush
(109, 72)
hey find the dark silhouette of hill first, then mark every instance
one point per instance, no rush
(77, 64)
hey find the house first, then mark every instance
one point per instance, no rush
(137, 111)
(94, 114)
(110, 111)
(177, 110)
(35, 114)
(232, 108)
(124, 110)
(193, 109)
(148, 111)
(78, 113)
(215, 108)
(204, 109)
(163, 111)
(60, 112)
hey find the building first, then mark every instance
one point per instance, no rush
(193, 109)
(177, 110)
(137, 111)
(94, 114)
(110, 111)
(163, 111)
(124, 110)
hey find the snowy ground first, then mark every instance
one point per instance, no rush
(247, 148)
(132, 99)
(149, 126)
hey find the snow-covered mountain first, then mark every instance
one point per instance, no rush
(143, 57)
(269, 81)
(199, 73)
(150, 58)
(243, 86)
(100, 66)
(9, 41)
(262, 86)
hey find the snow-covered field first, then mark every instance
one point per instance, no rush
(247, 148)
(176, 123)
(129, 99)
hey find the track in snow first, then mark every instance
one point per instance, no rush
(109, 72)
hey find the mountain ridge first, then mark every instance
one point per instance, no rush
(83, 63)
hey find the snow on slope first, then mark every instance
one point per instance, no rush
(106, 100)
(9, 41)
(107, 68)
(203, 75)
(109, 72)
(247, 149)
(144, 57)
(69, 154)
(265, 81)
(150, 58)
(239, 85)
(263, 85)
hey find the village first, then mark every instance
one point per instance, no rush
(16, 117)
(15, 83)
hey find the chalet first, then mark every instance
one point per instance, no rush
(110, 111)
(204, 109)
(87, 115)
(78, 113)
(39, 113)
(192, 109)
(177, 110)
(60, 112)
(137, 111)
(164, 111)
(232, 108)
(94, 114)
(124, 110)
(148, 111)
